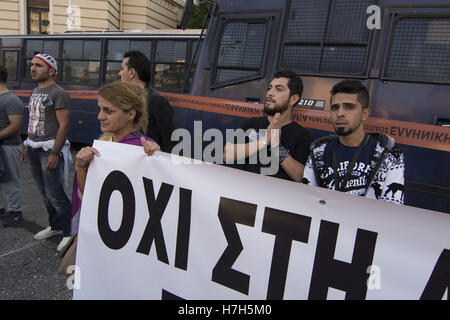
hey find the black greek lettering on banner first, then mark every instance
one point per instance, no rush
(349, 277)
(439, 280)
(286, 227)
(153, 231)
(116, 240)
(184, 227)
(232, 212)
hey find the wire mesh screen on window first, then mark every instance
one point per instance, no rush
(326, 36)
(241, 51)
(420, 50)
(41, 46)
(117, 48)
(171, 51)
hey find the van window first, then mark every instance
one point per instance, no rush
(171, 51)
(241, 51)
(170, 67)
(10, 63)
(115, 52)
(327, 37)
(81, 61)
(420, 50)
(51, 47)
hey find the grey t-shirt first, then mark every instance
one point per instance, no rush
(10, 105)
(43, 124)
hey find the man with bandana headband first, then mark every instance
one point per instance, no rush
(46, 148)
(283, 141)
(353, 161)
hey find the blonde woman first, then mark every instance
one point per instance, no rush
(123, 118)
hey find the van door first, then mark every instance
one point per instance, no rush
(239, 66)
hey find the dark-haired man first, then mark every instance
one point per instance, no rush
(354, 161)
(136, 69)
(11, 114)
(46, 148)
(291, 141)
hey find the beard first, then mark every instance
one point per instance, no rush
(277, 108)
(342, 132)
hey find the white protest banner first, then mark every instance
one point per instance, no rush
(154, 228)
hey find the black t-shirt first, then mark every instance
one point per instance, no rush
(294, 137)
(160, 120)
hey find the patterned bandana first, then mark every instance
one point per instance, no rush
(48, 59)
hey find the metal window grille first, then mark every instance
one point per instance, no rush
(171, 51)
(33, 46)
(81, 62)
(241, 51)
(143, 46)
(420, 50)
(117, 48)
(50, 47)
(73, 49)
(326, 36)
(92, 50)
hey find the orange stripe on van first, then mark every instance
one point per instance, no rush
(404, 132)
(73, 94)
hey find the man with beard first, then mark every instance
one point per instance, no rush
(46, 148)
(274, 145)
(355, 162)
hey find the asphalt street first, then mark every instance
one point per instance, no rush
(29, 268)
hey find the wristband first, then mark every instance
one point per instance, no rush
(283, 153)
(84, 169)
(55, 152)
(80, 168)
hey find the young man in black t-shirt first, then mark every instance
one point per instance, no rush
(355, 162)
(274, 145)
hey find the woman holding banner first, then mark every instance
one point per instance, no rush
(123, 119)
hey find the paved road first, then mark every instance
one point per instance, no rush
(28, 268)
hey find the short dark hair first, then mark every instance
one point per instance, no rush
(139, 62)
(3, 74)
(353, 86)
(295, 83)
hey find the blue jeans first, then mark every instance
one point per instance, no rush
(13, 188)
(51, 186)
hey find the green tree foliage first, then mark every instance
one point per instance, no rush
(198, 15)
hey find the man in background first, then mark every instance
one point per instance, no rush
(11, 114)
(136, 69)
